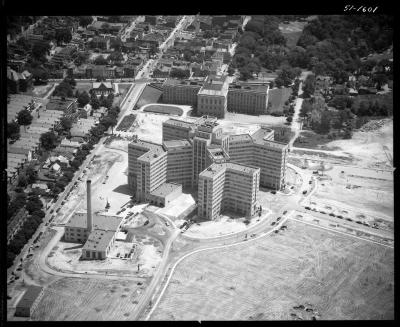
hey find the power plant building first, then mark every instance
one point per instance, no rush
(97, 232)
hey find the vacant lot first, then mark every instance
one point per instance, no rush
(277, 98)
(338, 276)
(88, 299)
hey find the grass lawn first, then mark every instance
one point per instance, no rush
(149, 95)
(170, 110)
(339, 277)
(277, 98)
(126, 122)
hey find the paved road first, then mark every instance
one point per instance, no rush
(297, 123)
(54, 207)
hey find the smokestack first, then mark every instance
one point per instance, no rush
(89, 205)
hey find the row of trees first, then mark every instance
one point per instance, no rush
(34, 207)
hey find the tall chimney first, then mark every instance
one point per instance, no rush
(89, 205)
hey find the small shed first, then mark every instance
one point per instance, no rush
(29, 301)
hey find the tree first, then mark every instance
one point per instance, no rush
(380, 80)
(66, 123)
(13, 130)
(24, 118)
(83, 99)
(94, 102)
(32, 206)
(100, 60)
(289, 119)
(31, 174)
(39, 51)
(39, 213)
(39, 73)
(309, 86)
(85, 20)
(48, 140)
(63, 36)
(22, 180)
(64, 89)
(108, 121)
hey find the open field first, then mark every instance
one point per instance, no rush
(88, 299)
(126, 122)
(149, 95)
(367, 147)
(292, 32)
(277, 98)
(369, 190)
(338, 276)
(163, 109)
(224, 225)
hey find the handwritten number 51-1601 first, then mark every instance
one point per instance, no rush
(351, 8)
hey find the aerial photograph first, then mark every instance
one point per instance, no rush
(200, 167)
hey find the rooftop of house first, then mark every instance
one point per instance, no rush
(97, 85)
(30, 296)
(100, 222)
(165, 189)
(98, 240)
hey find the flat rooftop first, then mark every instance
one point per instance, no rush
(248, 87)
(98, 240)
(215, 85)
(100, 222)
(164, 189)
(174, 82)
(178, 123)
(176, 144)
(214, 169)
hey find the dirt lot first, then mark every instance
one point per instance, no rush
(88, 299)
(337, 276)
(369, 190)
